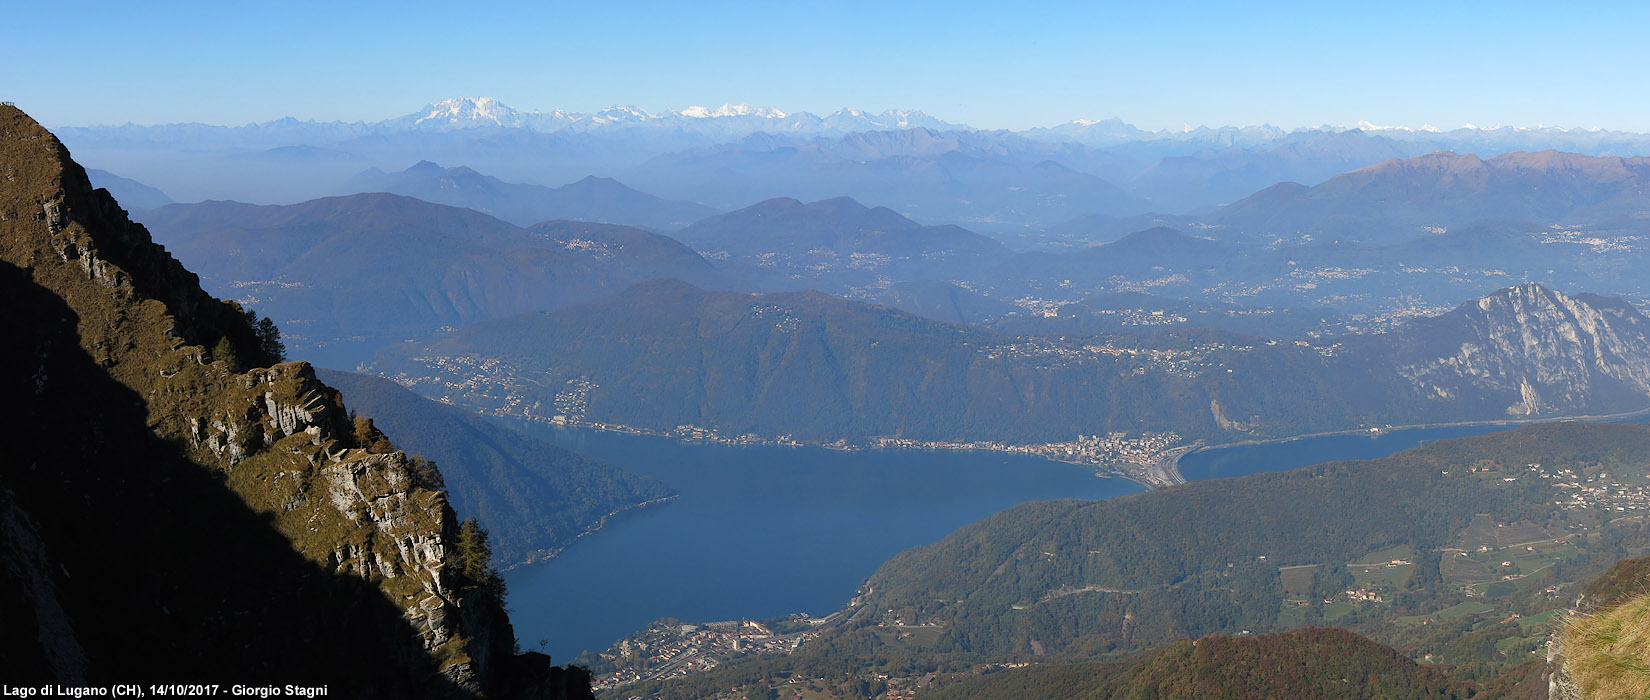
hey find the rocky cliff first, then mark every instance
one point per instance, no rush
(166, 518)
(1531, 351)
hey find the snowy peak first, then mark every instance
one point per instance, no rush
(849, 119)
(465, 113)
(618, 114)
(733, 110)
(1366, 125)
(728, 120)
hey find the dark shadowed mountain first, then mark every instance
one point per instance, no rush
(597, 199)
(534, 497)
(167, 515)
(130, 193)
(1407, 198)
(378, 267)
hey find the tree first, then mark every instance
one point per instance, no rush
(225, 351)
(269, 340)
(267, 337)
(475, 556)
(425, 472)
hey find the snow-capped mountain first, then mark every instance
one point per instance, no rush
(732, 110)
(729, 120)
(465, 112)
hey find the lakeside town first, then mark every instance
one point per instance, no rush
(1149, 458)
(670, 649)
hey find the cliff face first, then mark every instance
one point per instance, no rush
(1532, 351)
(161, 514)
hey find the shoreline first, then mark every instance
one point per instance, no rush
(1162, 471)
(544, 555)
(1383, 430)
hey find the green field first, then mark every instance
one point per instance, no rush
(1540, 619)
(1297, 580)
(1335, 611)
(1520, 647)
(1459, 569)
(1382, 576)
(1455, 611)
(1480, 533)
(1291, 616)
(1521, 533)
(1384, 556)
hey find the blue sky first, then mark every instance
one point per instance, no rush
(988, 64)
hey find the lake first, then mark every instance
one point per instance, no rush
(760, 531)
(1222, 462)
(766, 531)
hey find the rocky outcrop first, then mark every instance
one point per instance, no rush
(332, 545)
(1532, 351)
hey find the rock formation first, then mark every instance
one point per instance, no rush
(164, 518)
(1535, 350)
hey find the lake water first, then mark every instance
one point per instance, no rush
(766, 531)
(1224, 462)
(761, 531)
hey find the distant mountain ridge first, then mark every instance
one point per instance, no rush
(969, 178)
(730, 156)
(338, 272)
(130, 193)
(485, 112)
(597, 199)
(836, 243)
(1406, 198)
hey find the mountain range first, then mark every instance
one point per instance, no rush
(1000, 181)
(727, 120)
(820, 368)
(346, 272)
(1407, 198)
(597, 199)
(838, 243)
(130, 193)
(284, 514)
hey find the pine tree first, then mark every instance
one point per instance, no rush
(225, 351)
(269, 341)
(475, 556)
